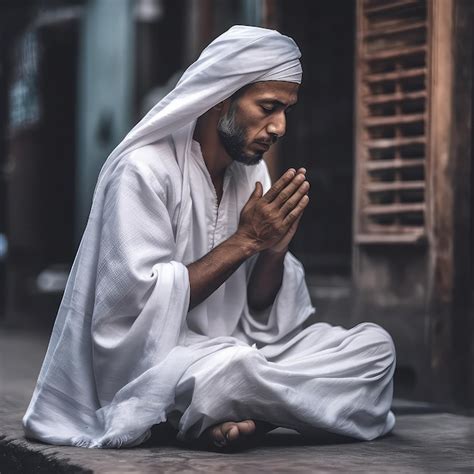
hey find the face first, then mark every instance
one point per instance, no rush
(255, 119)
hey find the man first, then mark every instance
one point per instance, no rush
(183, 305)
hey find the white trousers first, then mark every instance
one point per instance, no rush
(324, 377)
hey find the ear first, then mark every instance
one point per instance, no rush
(222, 106)
(218, 107)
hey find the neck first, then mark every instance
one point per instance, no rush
(214, 154)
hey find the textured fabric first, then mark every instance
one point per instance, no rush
(125, 353)
(241, 56)
(322, 378)
(138, 359)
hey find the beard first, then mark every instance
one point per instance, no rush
(233, 137)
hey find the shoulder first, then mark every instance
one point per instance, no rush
(157, 159)
(156, 165)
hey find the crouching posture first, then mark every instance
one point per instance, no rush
(183, 304)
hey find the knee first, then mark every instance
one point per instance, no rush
(236, 379)
(242, 367)
(379, 344)
(244, 359)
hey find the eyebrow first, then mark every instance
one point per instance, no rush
(278, 102)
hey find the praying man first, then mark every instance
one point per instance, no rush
(183, 306)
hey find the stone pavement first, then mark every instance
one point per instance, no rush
(423, 441)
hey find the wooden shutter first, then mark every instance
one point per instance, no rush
(391, 121)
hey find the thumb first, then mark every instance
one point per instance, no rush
(258, 191)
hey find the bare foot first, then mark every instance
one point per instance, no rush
(229, 432)
(232, 433)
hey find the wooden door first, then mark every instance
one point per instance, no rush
(413, 153)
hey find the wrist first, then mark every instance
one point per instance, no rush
(275, 254)
(247, 245)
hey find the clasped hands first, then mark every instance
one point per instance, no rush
(269, 221)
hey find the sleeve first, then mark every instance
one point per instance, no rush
(142, 294)
(292, 305)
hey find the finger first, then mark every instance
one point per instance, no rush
(258, 191)
(295, 224)
(297, 211)
(256, 194)
(291, 231)
(289, 190)
(293, 201)
(273, 192)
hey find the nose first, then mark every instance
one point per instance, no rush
(277, 125)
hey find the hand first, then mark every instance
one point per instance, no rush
(270, 221)
(282, 245)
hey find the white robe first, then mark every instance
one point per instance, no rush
(125, 354)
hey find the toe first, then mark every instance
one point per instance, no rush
(246, 427)
(232, 433)
(217, 434)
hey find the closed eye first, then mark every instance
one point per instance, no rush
(267, 109)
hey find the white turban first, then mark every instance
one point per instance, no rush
(240, 56)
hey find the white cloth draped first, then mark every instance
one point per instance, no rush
(125, 354)
(240, 56)
(135, 357)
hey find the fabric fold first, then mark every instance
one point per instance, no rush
(125, 353)
(277, 322)
(95, 378)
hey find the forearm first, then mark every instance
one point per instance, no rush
(265, 280)
(211, 271)
(267, 224)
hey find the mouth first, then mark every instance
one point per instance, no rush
(263, 146)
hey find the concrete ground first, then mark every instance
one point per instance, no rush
(423, 440)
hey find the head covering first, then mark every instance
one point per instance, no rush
(240, 56)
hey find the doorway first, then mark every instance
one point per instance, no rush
(320, 137)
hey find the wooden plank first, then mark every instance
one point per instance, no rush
(398, 208)
(395, 186)
(393, 120)
(390, 7)
(391, 21)
(462, 177)
(397, 97)
(394, 54)
(373, 227)
(360, 152)
(415, 237)
(381, 143)
(381, 165)
(441, 166)
(396, 29)
(395, 75)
